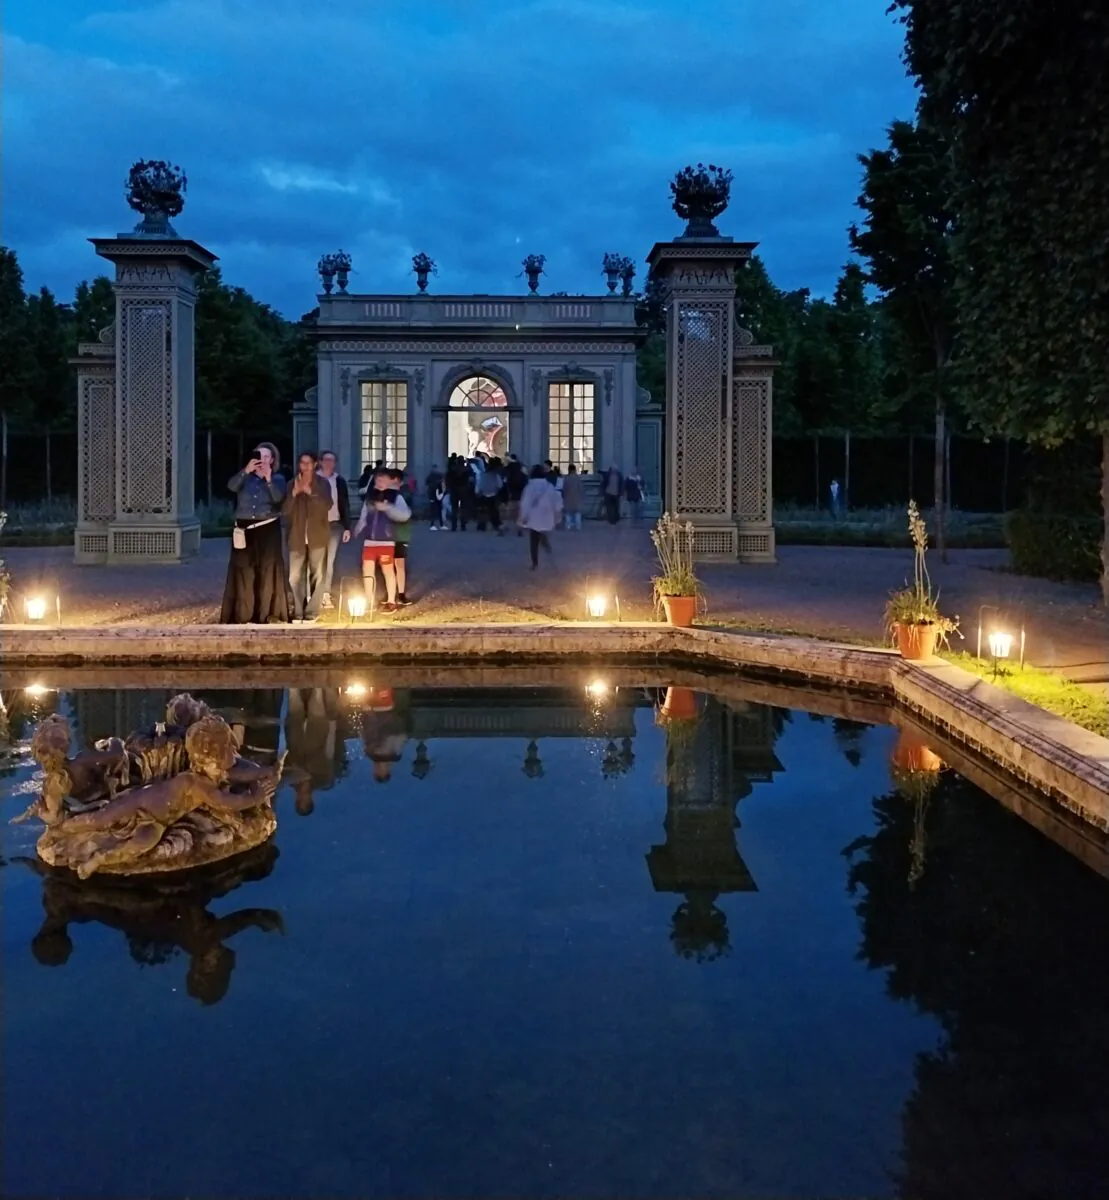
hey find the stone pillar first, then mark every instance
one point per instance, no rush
(155, 513)
(96, 449)
(717, 402)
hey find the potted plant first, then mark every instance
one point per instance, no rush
(612, 265)
(913, 617)
(326, 268)
(534, 266)
(675, 587)
(157, 190)
(343, 264)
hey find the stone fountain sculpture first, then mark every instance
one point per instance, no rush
(168, 799)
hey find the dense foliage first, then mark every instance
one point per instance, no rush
(251, 364)
(1017, 90)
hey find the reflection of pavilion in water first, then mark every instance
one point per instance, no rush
(525, 713)
(728, 751)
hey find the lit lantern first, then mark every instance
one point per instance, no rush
(596, 689)
(597, 605)
(356, 606)
(35, 608)
(1000, 644)
(36, 691)
(355, 691)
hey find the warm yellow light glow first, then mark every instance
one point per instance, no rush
(36, 608)
(36, 690)
(356, 606)
(1000, 644)
(596, 688)
(356, 691)
(597, 605)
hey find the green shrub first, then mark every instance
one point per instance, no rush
(1053, 546)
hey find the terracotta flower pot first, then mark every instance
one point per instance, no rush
(680, 703)
(912, 753)
(680, 610)
(916, 642)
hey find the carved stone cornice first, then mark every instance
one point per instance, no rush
(381, 371)
(327, 345)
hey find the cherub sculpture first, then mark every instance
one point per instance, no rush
(89, 776)
(159, 753)
(218, 807)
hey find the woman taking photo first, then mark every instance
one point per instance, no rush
(255, 591)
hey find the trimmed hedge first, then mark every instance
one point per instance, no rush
(1054, 546)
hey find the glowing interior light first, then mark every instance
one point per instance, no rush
(36, 608)
(1000, 644)
(597, 605)
(356, 606)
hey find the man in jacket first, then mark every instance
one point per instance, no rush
(306, 508)
(338, 518)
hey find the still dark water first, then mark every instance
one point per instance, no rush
(526, 943)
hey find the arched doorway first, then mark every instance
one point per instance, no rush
(478, 420)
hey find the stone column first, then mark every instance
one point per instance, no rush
(155, 515)
(698, 278)
(96, 446)
(753, 404)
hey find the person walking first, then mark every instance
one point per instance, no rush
(612, 488)
(435, 492)
(402, 534)
(635, 493)
(516, 479)
(254, 593)
(573, 497)
(338, 518)
(306, 508)
(540, 512)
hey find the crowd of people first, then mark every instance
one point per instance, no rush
(287, 534)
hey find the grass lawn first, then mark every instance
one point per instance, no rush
(1082, 705)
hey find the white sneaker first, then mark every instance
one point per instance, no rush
(433, 528)
(326, 601)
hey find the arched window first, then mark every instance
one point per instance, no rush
(478, 420)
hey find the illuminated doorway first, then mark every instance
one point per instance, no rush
(478, 418)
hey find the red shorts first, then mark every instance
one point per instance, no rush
(378, 552)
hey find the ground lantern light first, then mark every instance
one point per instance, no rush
(999, 641)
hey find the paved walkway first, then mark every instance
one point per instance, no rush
(827, 591)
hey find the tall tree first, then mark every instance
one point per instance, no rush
(16, 358)
(52, 402)
(1018, 88)
(906, 240)
(94, 308)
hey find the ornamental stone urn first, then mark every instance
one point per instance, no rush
(342, 269)
(424, 266)
(611, 268)
(157, 190)
(700, 194)
(533, 268)
(326, 268)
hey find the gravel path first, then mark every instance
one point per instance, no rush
(829, 591)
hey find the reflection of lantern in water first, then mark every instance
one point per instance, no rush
(533, 767)
(421, 764)
(612, 764)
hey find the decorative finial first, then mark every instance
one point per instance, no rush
(700, 195)
(326, 268)
(533, 268)
(617, 267)
(157, 190)
(423, 265)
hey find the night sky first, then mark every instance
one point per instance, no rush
(475, 130)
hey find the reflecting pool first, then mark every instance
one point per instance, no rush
(603, 937)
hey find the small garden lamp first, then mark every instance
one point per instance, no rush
(999, 641)
(356, 606)
(598, 599)
(35, 608)
(356, 691)
(36, 691)
(597, 605)
(596, 689)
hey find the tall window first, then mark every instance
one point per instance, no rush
(571, 425)
(385, 422)
(478, 420)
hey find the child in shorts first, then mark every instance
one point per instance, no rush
(384, 508)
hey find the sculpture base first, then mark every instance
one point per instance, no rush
(145, 542)
(253, 829)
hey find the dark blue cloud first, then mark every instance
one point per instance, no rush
(477, 130)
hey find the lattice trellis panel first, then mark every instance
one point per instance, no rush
(146, 417)
(714, 543)
(751, 448)
(97, 436)
(701, 483)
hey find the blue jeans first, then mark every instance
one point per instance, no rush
(334, 538)
(310, 561)
(573, 520)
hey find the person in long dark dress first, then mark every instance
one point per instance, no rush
(255, 592)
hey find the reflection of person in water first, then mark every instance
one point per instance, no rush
(159, 918)
(255, 716)
(315, 747)
(385, 728)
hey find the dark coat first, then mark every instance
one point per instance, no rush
(307, 515)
